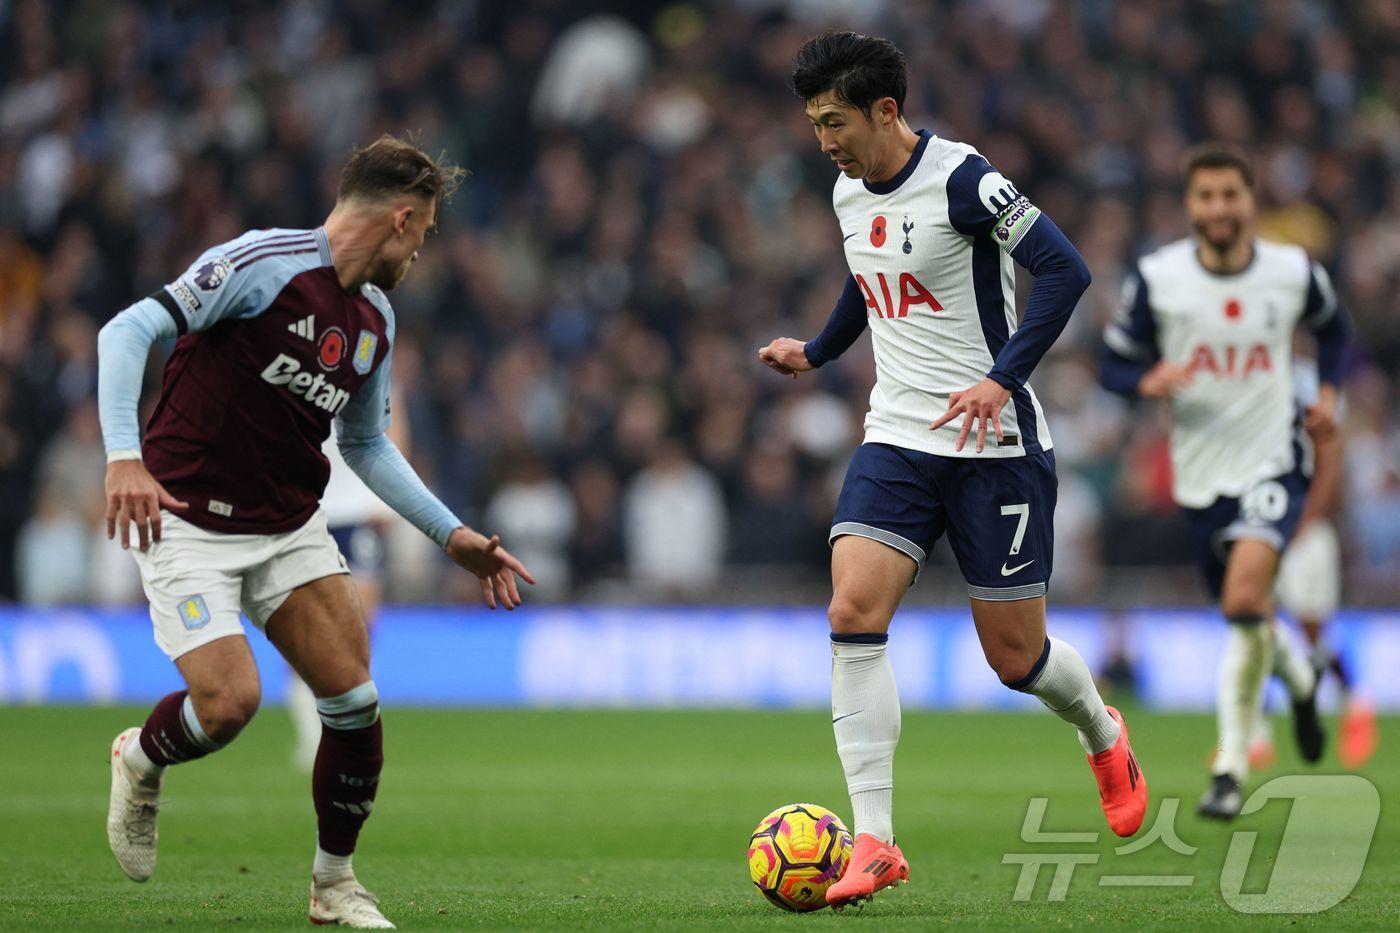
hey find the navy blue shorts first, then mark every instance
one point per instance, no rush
(363, 547)
(1269, 512)
(999, 513)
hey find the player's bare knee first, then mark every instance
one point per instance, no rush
(848, 617)
(342, 680)
(1013, 664)
(1246, 602)
(224, 712)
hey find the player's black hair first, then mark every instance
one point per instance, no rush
(859, 70)
(1218, 155)
(392, 166)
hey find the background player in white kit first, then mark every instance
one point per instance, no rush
(1207, 322)
(356, 519)
(930, 232)
(1309, 588)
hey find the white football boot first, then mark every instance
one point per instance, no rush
(347, 902)
(131, 815)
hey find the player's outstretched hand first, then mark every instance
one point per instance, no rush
(493, 565)
(981, 403)
(786, 355)
(1164, 380)
(133, 495)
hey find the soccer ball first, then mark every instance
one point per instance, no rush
(796, 853)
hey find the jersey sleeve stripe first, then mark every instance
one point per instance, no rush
(1322, 296)
(254, 257)
(167, 301)
(284, 240)
(1122, 344)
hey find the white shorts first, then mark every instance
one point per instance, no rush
(1310, 574)
(197, 581)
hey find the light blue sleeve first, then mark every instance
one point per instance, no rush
(367, 414)
(234, 280)
(122, 346)
(239, 279)
(359, 430)
(386, 472)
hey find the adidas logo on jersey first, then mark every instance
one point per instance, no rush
(285, 371)
(305, 328)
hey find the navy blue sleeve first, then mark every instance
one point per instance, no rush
(1061, 277)
(982, 202)
(1130, 340)
(1323, 315)
(847, 322)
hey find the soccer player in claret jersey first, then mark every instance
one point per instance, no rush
(930, 231)
(279, 332)
(1207, 323)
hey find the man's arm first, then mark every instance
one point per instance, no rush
(122, 347)
(361, 437)
(847, 322)
(1325, 489)
(982, 203)
(1061, 278)
(213, 289)
(1130, 361)
(843, 328)
(132, 493)
(1325, 317)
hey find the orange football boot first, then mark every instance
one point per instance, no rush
(1360, 735)
(1262, 755)
(1122, 785)
(873, 865)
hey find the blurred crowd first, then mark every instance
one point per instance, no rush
(576, 353)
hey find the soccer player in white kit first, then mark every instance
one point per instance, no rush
(930, 231)
(1207, 323)
(1309, 588)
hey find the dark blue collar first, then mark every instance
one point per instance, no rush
(900, 177)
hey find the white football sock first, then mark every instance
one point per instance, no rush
(1291, 663)
(328, 869)
(1248, 657)
(1066, 687)
(865, 717)
(306, 720)
(1262, 731)
(139, 765)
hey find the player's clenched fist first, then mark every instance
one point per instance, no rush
(133, 495)
(980, 404)
(787, 356)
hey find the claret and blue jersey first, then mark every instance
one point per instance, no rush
(270, 350)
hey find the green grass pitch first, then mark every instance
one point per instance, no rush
(625, 820)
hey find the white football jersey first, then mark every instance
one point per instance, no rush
(940, 294)
(1235, 425)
